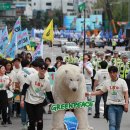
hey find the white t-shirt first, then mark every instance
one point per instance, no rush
(23, 74)
(87, 75)
(115, 91)
(35, 92)
(11, 75)
(101, 75)
(15, 71)
(4, 81)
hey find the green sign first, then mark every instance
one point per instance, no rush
(81, 7)
(66, 106)
(5, 6)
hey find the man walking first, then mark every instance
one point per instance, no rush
(117, 99)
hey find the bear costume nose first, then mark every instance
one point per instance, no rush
(74, 89)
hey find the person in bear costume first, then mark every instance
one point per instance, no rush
(69, 87)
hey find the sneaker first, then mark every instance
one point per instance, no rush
(3, 123)
(96, 116)
(9, 122)
(49, 112)
(90, 112)
(24, 127)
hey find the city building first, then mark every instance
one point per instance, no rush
(65, 5)
(21, 6)
(27, 7)
(89, 5)
(7, 11)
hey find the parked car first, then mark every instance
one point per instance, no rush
(59, 41)
(97, 43)
(70, 46)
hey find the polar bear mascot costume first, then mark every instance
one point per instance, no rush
(69, 87)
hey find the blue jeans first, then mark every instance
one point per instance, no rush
(114, 116)
(89, 89)
(24, 115)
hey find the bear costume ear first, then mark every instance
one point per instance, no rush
(66, 71)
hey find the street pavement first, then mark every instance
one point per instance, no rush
(98, 124)
(54, 51)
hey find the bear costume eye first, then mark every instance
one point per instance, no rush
(71, 80)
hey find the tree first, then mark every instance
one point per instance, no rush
(119, 9)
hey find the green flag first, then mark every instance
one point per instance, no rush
(81, 7)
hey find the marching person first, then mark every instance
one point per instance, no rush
(5, 82)
(117, 99)
(124, 67)
(10, 74)
(20, 79)
(16, 68)
(88, 73)
(115, 60)
(33, 93)
(101, 76)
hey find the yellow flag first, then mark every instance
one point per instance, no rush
(48, 32)
(10, 36)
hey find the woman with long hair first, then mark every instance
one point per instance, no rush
(5, 82)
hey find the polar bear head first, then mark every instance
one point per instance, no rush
(72, 80)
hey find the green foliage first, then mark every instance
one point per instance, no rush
(40, 20)
(119, 9)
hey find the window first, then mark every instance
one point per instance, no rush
(70, 4)
(48, 4)
(70, 10)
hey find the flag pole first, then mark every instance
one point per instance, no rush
(84, 38)
(52, 50)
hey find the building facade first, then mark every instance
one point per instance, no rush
(65, 5)
(7, 11)
(28, 6)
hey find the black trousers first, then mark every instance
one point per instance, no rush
(35, 115)
(3, 104)
(97, 103)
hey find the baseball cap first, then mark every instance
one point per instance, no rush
(124, 56)
(115, 52)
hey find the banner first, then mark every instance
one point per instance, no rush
(110, 34)
(4, 40)
(102, 34)
(70, 121)
(23, 39)
(74, 105)
(12, 48)
(10, 36)
(0, 34)
(17, 26)
(70, 22)
(49, 32)
(39, 51)
(120, 34)
(80, 24)
(33, 33)
(96, 21)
